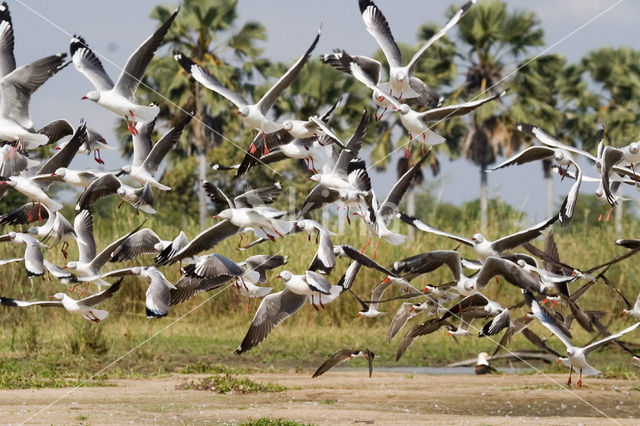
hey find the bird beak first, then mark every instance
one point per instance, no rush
(84, 98)
(448, 333)
(527, 316)
(4, 182)
(308, 178)
(559, 361)
(413, 308)
(386, 280)
(574, 273)
(238, 112)
(350, 356)
(51, 297)
(278, 276)
(64, 267)
(381, 98)
(624, 312)
(359, 314)
(545, 301)
(53, 174)
(215, 216)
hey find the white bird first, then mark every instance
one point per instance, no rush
(254, 115)
(576, 356)
(147, 157)
(310, 284)
(83, 307)
(107, 185)
(119, 97)
(635, 311)
(33, 258)
(31, 189)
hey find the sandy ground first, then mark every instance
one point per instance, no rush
(338, 397)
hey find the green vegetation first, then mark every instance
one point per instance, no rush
(229, 383)
(265, 421)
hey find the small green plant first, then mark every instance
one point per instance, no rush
(265, 421)
(228, 383)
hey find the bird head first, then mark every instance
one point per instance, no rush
(58, 296)
(94, 96)
(243, 111)
(224, 214)
(315, 178)
(33, 230)
(634, 147)
(559, 156)
(477, 238)
(571, 351)
(60, 171)
(404, 109)
(285, 275)
(71, 265)
(287, 125)
(401, 75)
(126, 170)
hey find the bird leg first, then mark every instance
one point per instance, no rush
(635, 176)
(268, 235)
(120, 204)
(84, 289)
(570, 371)
(348, 219)
(244, 284)
(376, 249)
(97, 157)
(276, 231)
(601, 214)
(39, 212)
(33, 206)
(313, 304)
(249, 306)
(320, 298)
(609, 214)
(133, 124)
(129, 128)
(580, 379)
(65, 245)
(408, 153)
(93, 317)
(240, 243)
(366, 245)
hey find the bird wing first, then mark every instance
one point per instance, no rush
(544, 137)
(269, 98)
(158, 299)
(353, 146)
(264, 262)
(546, 319)
(342, 61)
(63, 157)
(18, 86)
(456, 110)
(205, 240)
(214, 265)
(364, 260)
(58, 272)
(417, 223)
(254, 153)
(94, 299)
(259, 196)
(142, 144)
(335, 359)
(349, 276)
(636, 306)
(187, 287)
(568, 207)
(378, 27)
(5, 301)
(497, 323)
(441, 32)
(536, 340)
(514, 240)
(273, 309)
(595, 345)
(416, 331)
(102, 187)
(533, 153)
(165, 144)
(610, 157)
(402, 315)
(7, 59)
(103, 257)
(33, 259)
(428, 262)
(203, 77)
(390, 205)
(216, 195)
(137, 63)
(89, 65)
(142, 242)
(465, 305)
(56, 130)
(23, 215)
(83, 225)
(319, 196)
(317, 282)
(511, 271)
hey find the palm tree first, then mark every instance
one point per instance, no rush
(204, 30)
(492, 38)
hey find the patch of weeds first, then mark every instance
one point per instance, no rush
(542, 386)
(329, 401)
(635, 388)
(202, 367)
(227, 383)
(265, 421)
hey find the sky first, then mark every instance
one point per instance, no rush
(114, 29)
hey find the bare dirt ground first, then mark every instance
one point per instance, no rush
(338, 397)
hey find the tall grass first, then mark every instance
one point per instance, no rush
(53, 342)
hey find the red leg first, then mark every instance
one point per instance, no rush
(133, 124)
(39, 212)
(366, 245)
(580, 379)
(376, 250)
(609, 214)
(33, 206)
(277, 232)
(320, 297)
(570, 371)
(120, 204)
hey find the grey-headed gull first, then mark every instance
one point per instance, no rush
(147, 159)
(483, 247)
(93, 144)
(169, 250)
(402, 83)
(576, 356)
(31, 189)
(108, 184)
(633, 311)
(308, 284)
(468, 309)
(120, 97)
(12, 161)
(144, 241)
(254, 115)
(83, 307)
(628, 155)
(482, 364)
(342, 356)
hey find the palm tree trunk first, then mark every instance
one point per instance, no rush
(484, 198)
(202, 159)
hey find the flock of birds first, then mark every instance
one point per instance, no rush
(341, 178)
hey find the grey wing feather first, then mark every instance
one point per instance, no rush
(139, 243)
(378, 27)
(56, 130)
(273, 309)
(427, 327)
(83, 225)
(533, 153)
(417, 223)
(205, 240)
(318, 283)
(88, 64)
(94, 299)
(137, 63)
(158, 299)
(259, 196)
(595, 345)
(7, 41)
(203, 77)
(34, 260)
(165, 144)
(102, 187)
(450, 111)
(103, 257)
(610, 157)
(63, 157)
(187, 287)
(22, 215)
(514, 240)
(319, 196)
(334, 360)
(285, 81)
(142, 144)
(390, 205)
(400, 319)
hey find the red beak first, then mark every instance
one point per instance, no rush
(51, 297)
(53, 174)
(386, 280)
(84, 97)
(559, 361)
(278, 276)
(413, 308)
(359, 314)
(238, 112)
(216, 217)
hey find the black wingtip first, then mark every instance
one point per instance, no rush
(77, 42)
(155, 314)
(5, 301)
(184, 61)
(363, 4)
